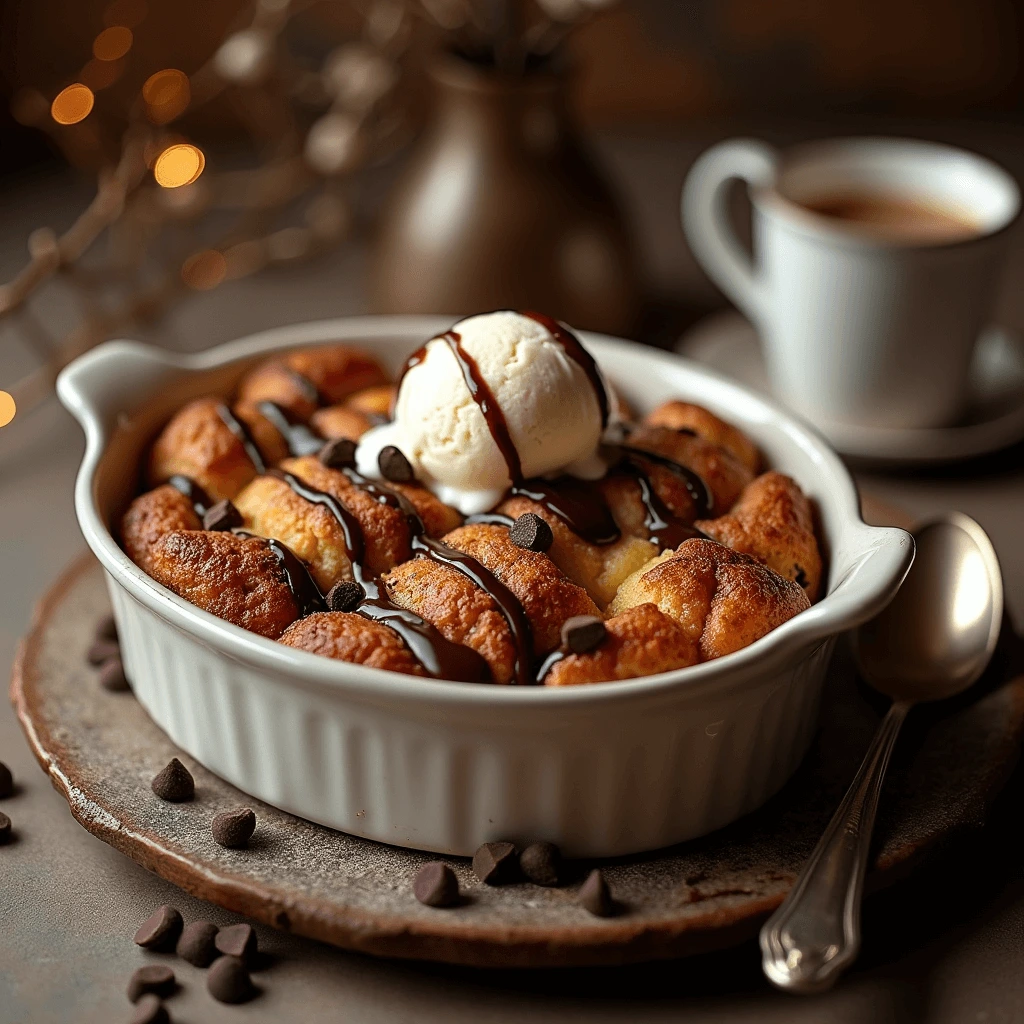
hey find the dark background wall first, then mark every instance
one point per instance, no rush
(663, 61)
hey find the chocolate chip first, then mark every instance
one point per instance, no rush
(345, 596)
(222, 516)
(541, 863)
(112, 676)
(435, 885)
(338, 454)
(100, 650)
(495, 863)
(106, 629)
(583, 633)
(395, 466)
(228, 981)
(6, 781)
(160, 929)
(155, 978)
(174, 783)
(595, 896)
(197, 944)
(233, 828)
(529, 531)
(149, 1010)
(237, 940)
(5, 828)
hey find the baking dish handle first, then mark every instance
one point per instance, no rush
(866, 586)
(94, 386)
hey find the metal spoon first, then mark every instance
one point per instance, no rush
(933, 641)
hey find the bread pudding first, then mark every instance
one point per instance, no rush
(496, 515)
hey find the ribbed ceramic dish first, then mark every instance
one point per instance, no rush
(603, 770)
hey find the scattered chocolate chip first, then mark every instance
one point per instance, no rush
(155, 978)
(149, 1010)
(112, 676)
(529, 531)
(541, 863)
(435, 885)
(237, 940)
(233, 828)
(101, 650)
(345, 596)
(106, 629)
(160, 929)
(495, 863)
(228, 981)
(595, 896)
(197, 944)
(583, 633)
(5, 828)
(338, 454)
(6, 781)
(222, 516)
(174, 783)
(395, 466)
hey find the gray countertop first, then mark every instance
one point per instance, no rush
(944, 946)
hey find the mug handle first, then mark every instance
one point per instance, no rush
(705, 216)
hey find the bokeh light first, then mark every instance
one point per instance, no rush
(204, 270)
(112, 43)
(179, 165)
(166, 95)
(7, 408)
(72, 104)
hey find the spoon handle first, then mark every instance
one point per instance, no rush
(815, 935)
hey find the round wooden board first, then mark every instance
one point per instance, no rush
(101, 750)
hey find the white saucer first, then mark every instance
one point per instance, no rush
(995, 418)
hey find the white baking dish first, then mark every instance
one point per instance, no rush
(602, 770)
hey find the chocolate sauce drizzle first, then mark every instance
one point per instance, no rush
(300, 438)
(310, 392)
(575, 351)
(201, 501)
(578, 503)
(439, 656)
(239, 429)
(471, 568)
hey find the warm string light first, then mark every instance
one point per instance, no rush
(72, 104)
(112, 43)
(166, 95)
(7, 408)
(204, 270)
(179, 165)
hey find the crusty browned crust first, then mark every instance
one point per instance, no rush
(773, 521)
(686, 416)
(723, 600)
(272, 509)
(339, 421)
(335, 371)
(459, 610)
(373, 401)
(548, 597)
(235, 578)
(641, 641)
(150, 516)
(349, 637)
(198, 444)
(273, 447)
(598, 568)
(725, 476)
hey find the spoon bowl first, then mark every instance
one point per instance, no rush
(937, 635)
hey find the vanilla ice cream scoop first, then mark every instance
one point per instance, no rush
(500, 397)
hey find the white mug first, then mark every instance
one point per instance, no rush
(857, 329)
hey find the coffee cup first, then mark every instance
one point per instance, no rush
(875, 264)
